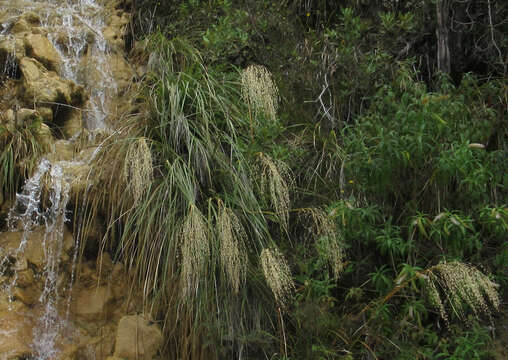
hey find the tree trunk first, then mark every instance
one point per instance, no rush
(443, 46)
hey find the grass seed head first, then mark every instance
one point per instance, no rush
(233, 254)
(277, 274)
(275, 177)
(195, 250)
(465, 287)
(259, 90)
(138, 168)
(328, 236)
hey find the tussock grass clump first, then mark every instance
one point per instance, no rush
(20, 150)
(138, 169)
(259, 91)
(277, 274)
(275, 179)
(199, 220)
(233, 254)
(464, 287)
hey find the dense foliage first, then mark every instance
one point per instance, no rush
(303, 182)
(381, 180)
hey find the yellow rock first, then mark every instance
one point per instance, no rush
(121, 71)
(46, 113)
(40, 48)
(25, 278)
(137, 338)
(45, 88)
(27, 116)
(10, 49)
(103, 343)
(33, 251)
(8, 119)
(92, 303)
(20, 26)
(63, 151)
(31, 18)
(73, 123)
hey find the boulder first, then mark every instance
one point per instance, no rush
(20, 26)
(137, 338)
(39, 31)
(25, 277)
(27, 116)
(8, 304)
(33, 250)
(92, 303)
(80, 177)
(39, 47)
(101, 345)
(45, 87)
(27, 296)
(31, 18)
(12, 50)
(64, 39)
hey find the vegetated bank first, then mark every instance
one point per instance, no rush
(313, 180)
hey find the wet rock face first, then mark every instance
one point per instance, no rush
(96, 307)
(40, 48)
(51, 58)
(32, 252)
(45, 88)
(64, 81)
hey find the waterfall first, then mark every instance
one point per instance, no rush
(74, 27)
(82, 25)
(27, 213)
(76, 32)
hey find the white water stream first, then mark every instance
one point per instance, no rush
(75, 29)
(28, 213)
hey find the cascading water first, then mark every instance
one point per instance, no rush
(74, 27)
(27, 213)
(78, 37)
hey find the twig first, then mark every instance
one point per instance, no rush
(494, 40)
